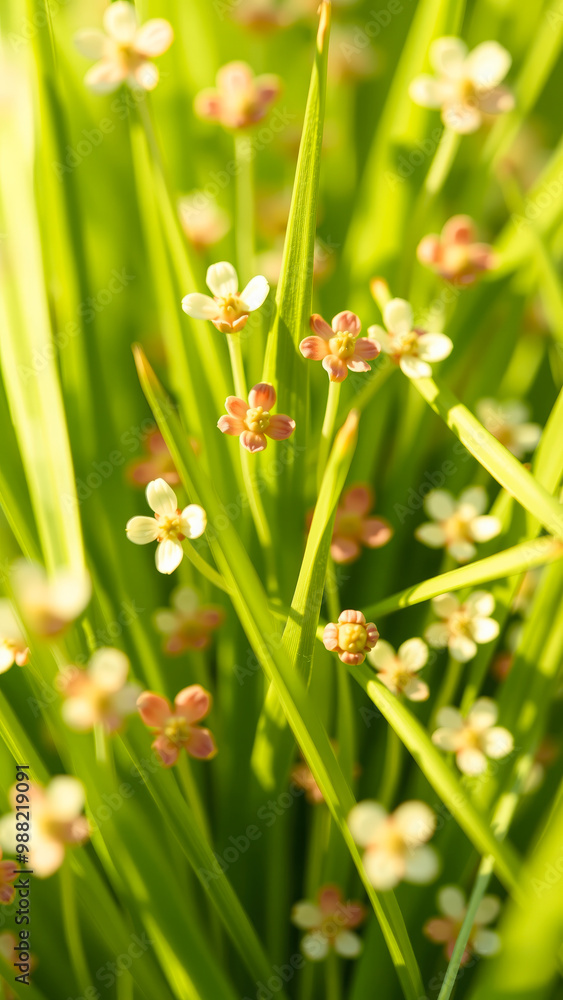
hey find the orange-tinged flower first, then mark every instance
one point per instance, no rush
(175, 726)
(124, 50)
(99, 695)
(351, 637)
(339, 346)
(445, 929)
(455, 255)
(353, 528)
(240, 98)
(187, 624)
(395, 844)
(13, 647)
(252, 421)
(329, 922)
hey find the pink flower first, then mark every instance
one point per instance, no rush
(175, 726)
(455, 255)
(252, 421)
(445, 929)
(8, 874)
(338, 346)
(187, 624)
(240, 98)
(352, 527)
(123, 49)
(228, 310)
(329, 924)
(57, 823)
(352, 637)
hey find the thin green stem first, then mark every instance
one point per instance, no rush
(203, 567)
(448, 688)
(192, 795)
(391, 768)
(327, 432)
(77, 956)
(237, 364)
(333, 977)
(244, 220)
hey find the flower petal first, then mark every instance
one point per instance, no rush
(416, 690)
(65, 797)
(153, 709)
(486, 942)
(200, 306)
(461, 117)
(306, 915)
(367, 348)
(488, 910)
(105, 76)
(146, 75)
(485, 527)
(480, 604)
(120, 21)
(383, 656)
(108, 668)
(281, 427)
(431, 534)
(375, 532)
(415, 821)
(358, 499)
(440, 505)
(314, 348)
(447, 56)
(433, 346)
(482, 714)
(161, 498)
(346, 322)
(451, 902)
(497, 101)
(168, 555)
(462, 648)
(348, 944)
(450, 717)
(438, 930)
(488, 64)
(497, 742)
(422, 865)
(380, 337)
(484, 629)
(413, 367)
(471, 761)
(413, 653)
(154, 37)
(141, 530)
(222, 279)
(426, 91)
(186, 601)
(437, 635)
(364, 821)
(193, 703)
(343, 550)
(236, 407)
(193, 521)
(90, 43)
(445, 605)
(255, 293)
(336, 368)
(398, 316)
(231, 425)
(201, 744)
(166, 750)
(357, 365)
(315, 946)
(475, 498)
(384, 869)
(263, 395)
(79, 714)
(320, 327)
(253, 442)
(461, 551)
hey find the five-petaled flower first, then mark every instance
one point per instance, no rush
(187, 624)
(99, 695)
(445, 929)
(240, 98)
(339, 346)
(508, 421)
(351, 637)
(410, 347)
(49, 603)
(228, 310)
(353, 528)
(252, 421)
(395, 844)
(457, 524)
(329, 923)
(124, 50)
(467, 83)
(8, 874)
(399, 670)
(462, 626)
(473, 738)
(168, 527)
(58, 823)
(13, 647)
(454, 254)
(175, 726)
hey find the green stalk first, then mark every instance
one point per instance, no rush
(327, 432)
(244, 221)
(71, 924)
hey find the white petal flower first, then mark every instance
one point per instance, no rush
(200, 306)
(398, 670)
(451, 902)
(315, 946)
(395, 844)
(463, 626)
(347, 944)
(474, 738)
(49, 603)
(169, 526)
(412, 349)
(123, 49)
(457, 525)
(222, 279)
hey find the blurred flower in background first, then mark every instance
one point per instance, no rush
(474, 737)
(8, 875)
(445, 929)
(353, 528)
(240, 98)
(125, 50)
(13, 647)
(508, 421)
(399, 670)
(187, 625)
(329, 922)
(203, 221)
(58, 823)
(457, 524)
(157, 463)
(455, 255)
(49, 603)
(395, 844)
(175, 726)
(99, 695)
(462, 626)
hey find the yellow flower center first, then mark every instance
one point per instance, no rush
(460, 621)
(352, 638)
(343, 345)
(231, 307)
(257, 419)
(170, 526)
(457, 529)
(467, 91)
(177, 729)
(404, 343)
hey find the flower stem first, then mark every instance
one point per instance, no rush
(327, 432)
(203, 566)
(244, 224)
(332, 977)
(237, 365)
(72, 929)
(446, 694)
(391, 769)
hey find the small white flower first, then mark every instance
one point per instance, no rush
(123, 49)
(168, 527)
(228, 310)
(13, 647)
(49, 603)
(399, 670)
(463, 626)
(100, 694)
(412, 349)
(509, 423)
(467, 83)
(395, 843)
(445, 929)
(474, 738)
(329, 922)
(57, 823)
(457, 524)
